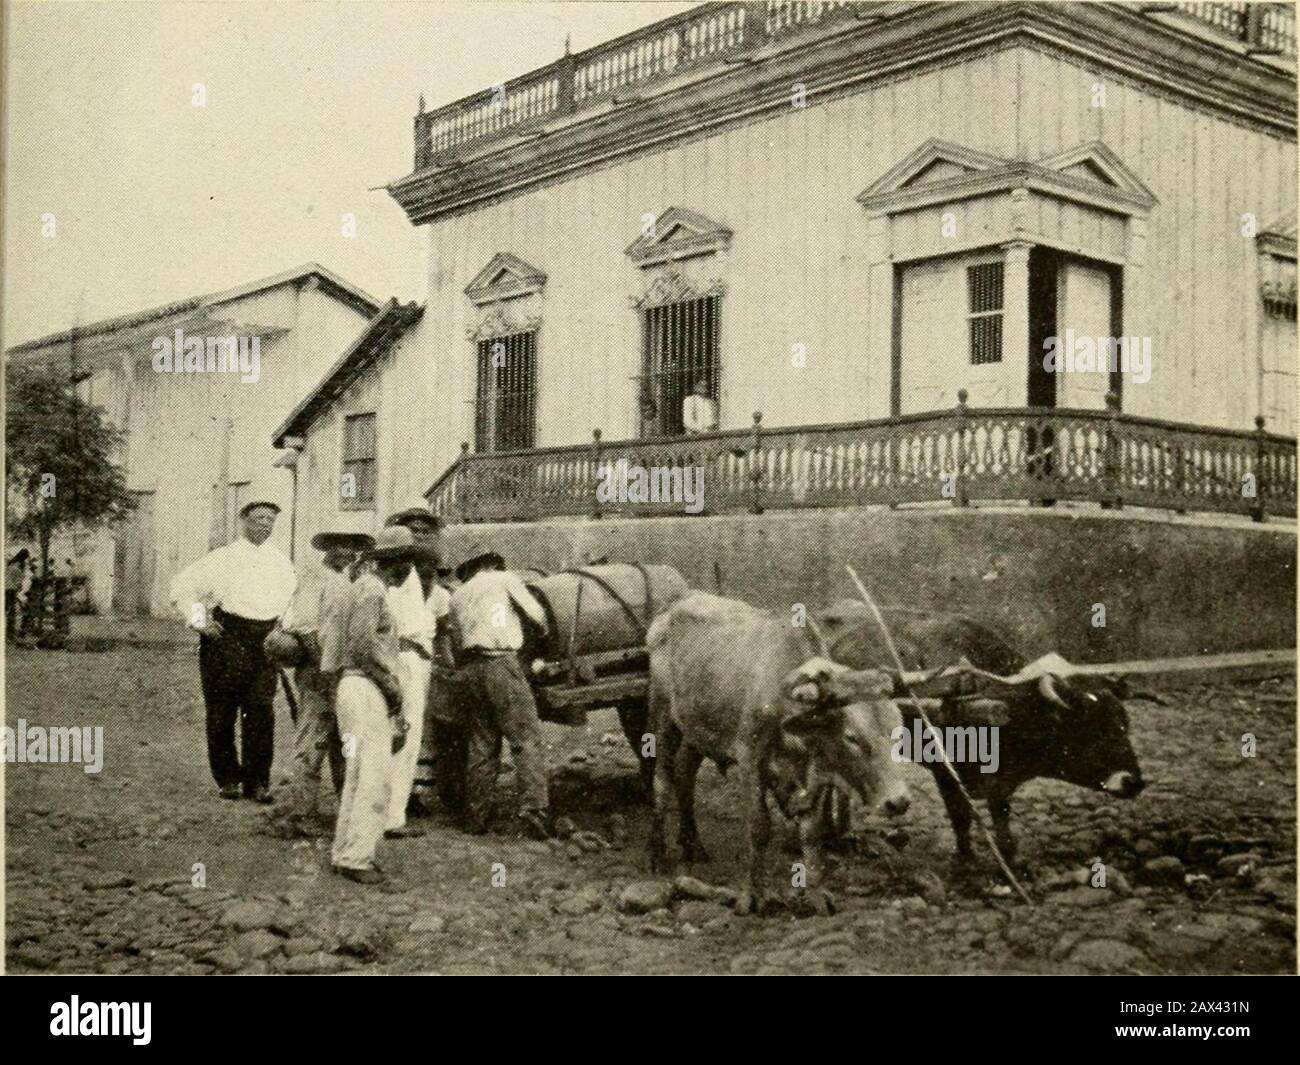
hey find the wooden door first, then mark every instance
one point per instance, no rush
(135, 556)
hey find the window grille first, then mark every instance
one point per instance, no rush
(984, 286)
(680, 344)
(506, 400)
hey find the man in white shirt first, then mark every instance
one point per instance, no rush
(498, 698)
(418, 604)
(699, 411)
(232, 598)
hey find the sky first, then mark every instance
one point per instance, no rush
(308, 107)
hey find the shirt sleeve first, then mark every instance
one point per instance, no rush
(302, 615)
(440, 602)
(193, 587)
(288, 581)
(525, 600)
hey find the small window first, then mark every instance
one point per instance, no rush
(357, 489)
(506, 407)
(984, 286)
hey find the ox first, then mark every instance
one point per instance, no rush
(1073, 729)
(739, 686)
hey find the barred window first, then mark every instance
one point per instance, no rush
(680, 343)
(358, 460)
(984, 286)
(506, 403)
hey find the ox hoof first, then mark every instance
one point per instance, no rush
(818, 903)
(750, 904)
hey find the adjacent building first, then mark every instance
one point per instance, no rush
(197, 386)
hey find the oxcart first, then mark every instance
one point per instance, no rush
(592, 655)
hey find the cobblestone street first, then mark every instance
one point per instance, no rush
(1200, 868)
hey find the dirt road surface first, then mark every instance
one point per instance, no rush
(101, 868)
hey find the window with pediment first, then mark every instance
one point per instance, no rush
(680, 308)
(507, 292)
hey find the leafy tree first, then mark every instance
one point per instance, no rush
(60, 460)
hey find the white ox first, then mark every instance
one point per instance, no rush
(740, 686)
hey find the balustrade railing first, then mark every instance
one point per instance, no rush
(1265, 27)
(701, 35)
(711, 32)
(1029, 455)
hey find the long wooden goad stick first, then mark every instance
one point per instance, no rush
(916, 703)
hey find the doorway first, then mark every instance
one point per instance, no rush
(1072, 295)
(134, 555)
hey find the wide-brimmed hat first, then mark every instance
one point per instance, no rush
(394, 544)
(414, 509)
(344, 541)
(479, 558)
(257, 501)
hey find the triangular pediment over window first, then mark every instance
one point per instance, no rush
(678, 234)
(505, 277)
(1096, 163)
(939, 171)
(934, 162)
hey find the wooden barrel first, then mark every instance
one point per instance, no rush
(613, 604)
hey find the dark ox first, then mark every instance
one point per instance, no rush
(739, 686)
(1073, 729)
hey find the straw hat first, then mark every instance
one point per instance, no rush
(347, 541)
(414, 509)
(395, 543)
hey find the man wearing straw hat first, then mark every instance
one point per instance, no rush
(420, 605)
(359, 643)
(319, 594)
(498, 699)
(232, 597)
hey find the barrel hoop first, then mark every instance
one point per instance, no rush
(613, 595)
(649, 594)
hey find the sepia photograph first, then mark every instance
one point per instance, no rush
(646, 488)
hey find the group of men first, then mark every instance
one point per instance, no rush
(380, 636)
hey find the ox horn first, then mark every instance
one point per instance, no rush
(1150, 697)
(1047, 689)
(822, 649)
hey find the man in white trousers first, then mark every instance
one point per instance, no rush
(359, 643)
(419, 604)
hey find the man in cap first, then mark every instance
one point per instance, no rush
(359, 643)
(420, 604)
(498, 699)
(232, 597)
(317, 735)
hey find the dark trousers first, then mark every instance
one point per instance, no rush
(239, 686)
(500, 705)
